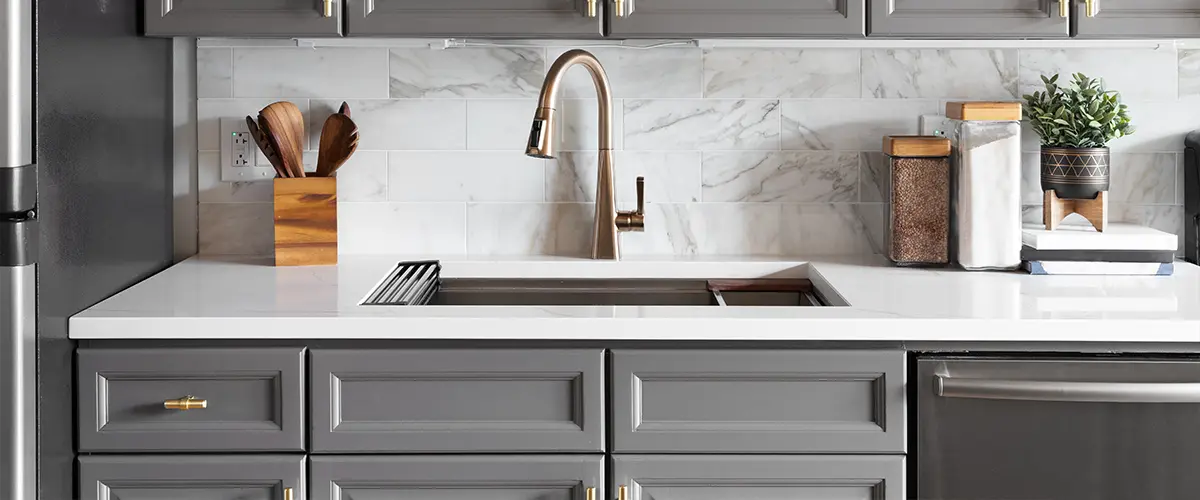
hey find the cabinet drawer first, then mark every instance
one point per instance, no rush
(496, 477)
(758, 401)
(683, 477)
(457, 400)
(254, 399)
(203, 477)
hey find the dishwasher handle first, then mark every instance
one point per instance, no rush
(1075, 392)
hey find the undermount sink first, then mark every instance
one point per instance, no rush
(419, 284)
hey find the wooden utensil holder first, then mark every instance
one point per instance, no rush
(306, 221)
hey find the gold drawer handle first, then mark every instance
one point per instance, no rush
(328, 8)
(1091, 7)
(622, 493)
(591, 8)
(185, 403)
(1063, 11)
(287, 494)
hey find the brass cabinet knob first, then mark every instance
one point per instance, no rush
(328, 8)
(591, 493)
(1091, 7)
(622, 493)
(287, 494)
(185, 403)
(620, 7)
(635, 221)
(591, 8)
(1064, 8)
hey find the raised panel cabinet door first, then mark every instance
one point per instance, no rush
(758, 401)
(192, 477)
(468, 400)
(970, 18)
(243, 18)
(497, 477)
(1137, 19)
(736, 18)
(242, 399)
(692, 477)
(473, 18)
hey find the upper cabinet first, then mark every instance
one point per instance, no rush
(1137, 18)
(971, 18)
(736, 18)
(275, 18)
(475, 18)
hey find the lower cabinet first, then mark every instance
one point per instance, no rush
(766, 477)
(428, 477)
(192, 477)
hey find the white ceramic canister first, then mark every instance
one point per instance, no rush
(985, 139)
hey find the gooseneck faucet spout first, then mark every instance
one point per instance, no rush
(608, 220)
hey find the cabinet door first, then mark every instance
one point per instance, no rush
(695, 477)
(196, 477)
(737, 18)
(457, 400)
(243, 17)
(969, 18)
(472, 18)
(499, 477)
(735, 401)
(1138, 18)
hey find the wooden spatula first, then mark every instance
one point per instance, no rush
(284, 126)
(339, 140)
(261, 139)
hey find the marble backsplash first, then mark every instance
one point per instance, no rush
(745, 151)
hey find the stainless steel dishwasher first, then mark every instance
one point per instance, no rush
(1005, 428)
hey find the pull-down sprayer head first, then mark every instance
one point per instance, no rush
(541, 136)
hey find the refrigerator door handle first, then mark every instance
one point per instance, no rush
(18, 387)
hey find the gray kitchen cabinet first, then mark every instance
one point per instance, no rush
(691, 477)
(969, 18)
(498, 477)
(282, 18)
(199, 477)
(730, 401)
(457, 400)
(473, 18)
(737, 18)
(133, 399)
(1138, 18)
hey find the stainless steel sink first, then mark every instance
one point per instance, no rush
(420, 285)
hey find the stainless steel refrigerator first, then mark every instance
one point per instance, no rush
(85, 207)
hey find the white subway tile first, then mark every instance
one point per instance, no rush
(811, 176)
(701, 124)
(671, 177)
(358, 72)
(562, 229)
(669, 72)
(499, 124)
(467, 72)
(579, 122)
(786, 73)
(849, 125)
(364, 177)
(833, 228)
(214, 72)
(1135, 73)
(465, 176)
(1143, 178)
(401, 228)
(976, 74)
(399, 124)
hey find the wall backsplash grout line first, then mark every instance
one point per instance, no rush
(441, 167)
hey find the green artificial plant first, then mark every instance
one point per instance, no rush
(1081, 114)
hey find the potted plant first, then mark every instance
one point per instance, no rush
(1076, 121)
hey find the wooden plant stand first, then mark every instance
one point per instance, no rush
(1055, 209)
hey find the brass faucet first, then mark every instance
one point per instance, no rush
(608, 220)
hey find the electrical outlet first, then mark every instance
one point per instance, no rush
(239, 154)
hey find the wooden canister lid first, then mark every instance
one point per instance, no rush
(984, 110)
(916, 146)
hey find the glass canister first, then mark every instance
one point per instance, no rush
(985, 139)
(919, 212)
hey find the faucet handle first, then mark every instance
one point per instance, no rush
(635, 220)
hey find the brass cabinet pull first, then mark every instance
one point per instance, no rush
(185, 403)
(620, 8)
(1064, 8)
(328, 8)
(1091, 7)
(622, 493)
(591, 494)
(287, 494)
(591, 8)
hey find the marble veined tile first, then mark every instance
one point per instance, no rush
(671, 177)
(785, 73)
(707, 229)
(466, 72)
(563, 229)
(1189, 72)
(363, 177)
(1143, 178)
(345, 72)
(695, 124)
(1135, 73)
(849, 125)
(940, 73)
(399, 124)
(214, 72)
(236, 228)
(498, 176)
(669, 72)
(811, 176)
(832, 228)
(401, 228)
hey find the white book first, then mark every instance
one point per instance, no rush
(1049, 267)
(1118, 236)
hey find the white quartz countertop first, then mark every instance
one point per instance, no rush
(230, 298)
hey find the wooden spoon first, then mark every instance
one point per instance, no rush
(345, 109)
(260, 138)
(339, 140)
(284, 125)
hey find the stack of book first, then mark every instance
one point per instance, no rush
(1122, 249)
